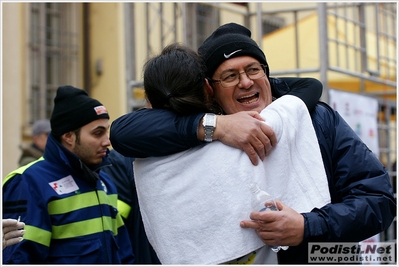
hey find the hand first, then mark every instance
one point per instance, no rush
(247, 131)
(11, 233)
(277, 228)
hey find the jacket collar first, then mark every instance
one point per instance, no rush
(56, 153)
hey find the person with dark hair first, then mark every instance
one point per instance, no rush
(68, 206)
(157, 87)
(362, 201)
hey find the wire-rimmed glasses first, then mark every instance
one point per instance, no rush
(231, 78)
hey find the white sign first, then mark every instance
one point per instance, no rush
(360, 112)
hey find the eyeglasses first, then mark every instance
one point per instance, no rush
(233, 77)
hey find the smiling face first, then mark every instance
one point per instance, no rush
(248, 94)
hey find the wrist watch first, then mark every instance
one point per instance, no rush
(209, 123)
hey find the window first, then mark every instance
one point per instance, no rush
(207, 22)
(204, 19)
(53, 50)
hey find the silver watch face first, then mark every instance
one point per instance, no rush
(209, 122)
(212, 120)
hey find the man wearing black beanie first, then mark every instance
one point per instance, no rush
(68, 206)
(362, 200)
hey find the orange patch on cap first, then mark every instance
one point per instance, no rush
(100, 110)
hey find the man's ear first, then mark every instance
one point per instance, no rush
(68, 138)
(208, 88)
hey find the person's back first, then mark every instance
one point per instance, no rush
(33, 151)
(69, 208)
(121, 173)
(219, 176)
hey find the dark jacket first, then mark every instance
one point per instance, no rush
(356, 178)
(121, 173)
(70, 212)
(357, 181)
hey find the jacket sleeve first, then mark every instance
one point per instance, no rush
(19, 199)
(362, 201)
(157, 132)
(307, 89)
(154, 132)
(121, 174)
(125, 251)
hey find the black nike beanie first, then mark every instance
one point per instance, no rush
(228, 41)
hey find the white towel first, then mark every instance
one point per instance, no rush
(192, 202)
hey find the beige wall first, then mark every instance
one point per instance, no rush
(13, 66)
(108, 46)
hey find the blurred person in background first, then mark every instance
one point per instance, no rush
(35, 150)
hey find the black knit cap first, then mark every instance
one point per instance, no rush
(73, 108)
(228, 41)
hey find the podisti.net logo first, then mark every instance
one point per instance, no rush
(371, 253)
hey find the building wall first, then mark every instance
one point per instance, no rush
(13, 83)
(107, 50)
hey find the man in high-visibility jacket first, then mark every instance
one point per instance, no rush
(68, 206)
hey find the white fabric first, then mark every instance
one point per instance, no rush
(192, 202)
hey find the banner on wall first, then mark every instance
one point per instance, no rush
(360, 112)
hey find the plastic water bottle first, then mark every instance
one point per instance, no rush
(261, 201)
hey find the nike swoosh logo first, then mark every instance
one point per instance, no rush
(232, 53)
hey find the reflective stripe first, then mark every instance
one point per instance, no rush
(20, 170)
(124, 209)
(80, 201)
(87, 227)
(76, 229)
(70, 204)
(37, 235)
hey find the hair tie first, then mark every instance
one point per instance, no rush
(168, 96)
